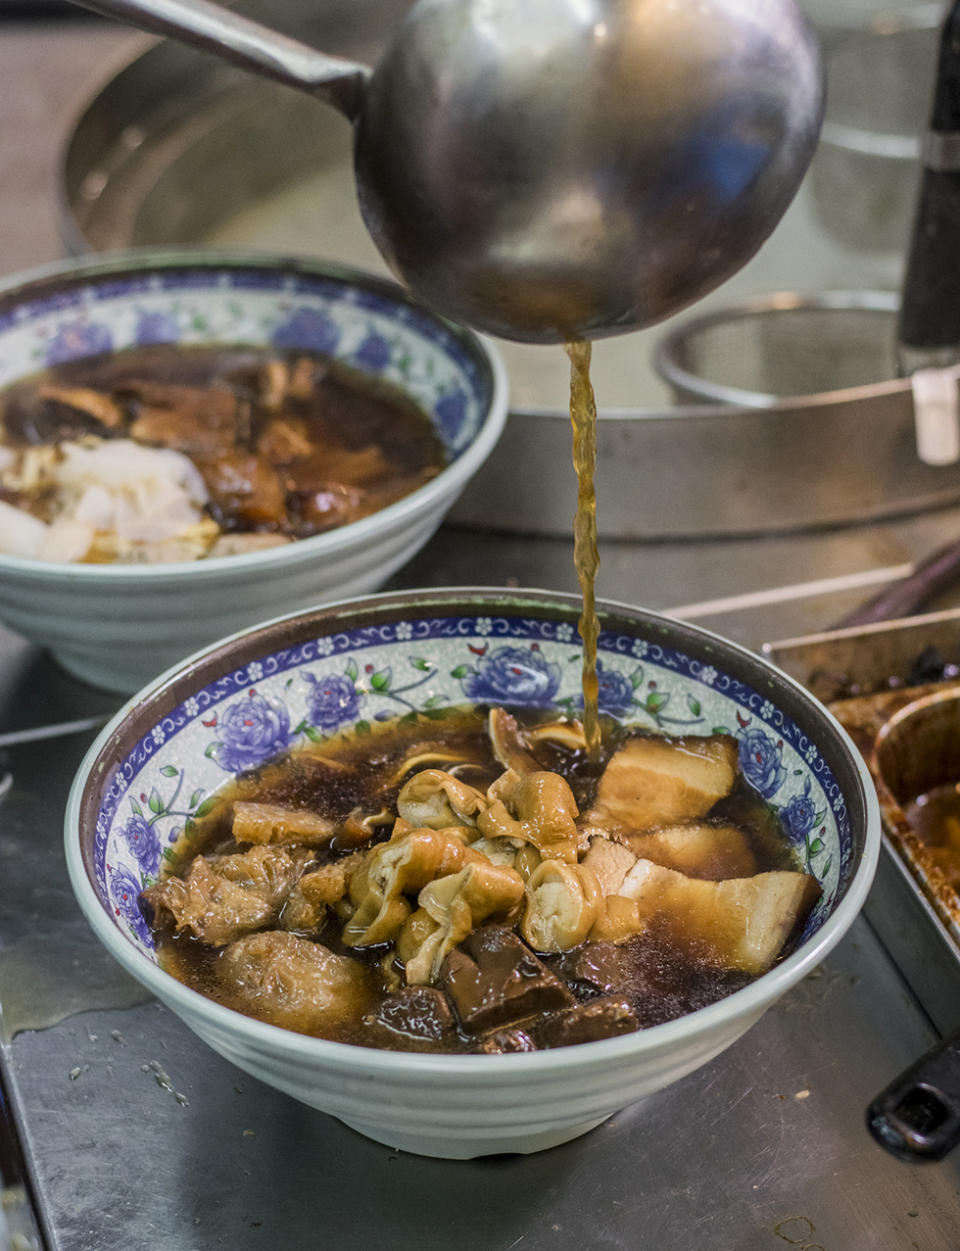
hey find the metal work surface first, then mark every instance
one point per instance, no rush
(135, 1134)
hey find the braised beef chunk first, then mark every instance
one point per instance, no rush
(588, 1022)
(504, 1041)
(594, 969)
(416, 1012)
(245, 492)
(495, 979)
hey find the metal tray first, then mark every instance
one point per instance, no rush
(176, 148)
(916, 918)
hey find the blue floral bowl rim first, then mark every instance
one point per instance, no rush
(146, 708)
(22, 287)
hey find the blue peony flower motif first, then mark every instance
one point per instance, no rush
(252, 730)
(451, 412)
(125, 893)
(144, 842)
(761, 762)
(373, 353)
(614, 691)
(799, 814)
(156, 327)
(308, 327)
(512, 675)
(78, 338)
(333, 700)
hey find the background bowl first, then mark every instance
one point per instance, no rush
(343, 666)
(118, 626)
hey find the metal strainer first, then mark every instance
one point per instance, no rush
(781, 346)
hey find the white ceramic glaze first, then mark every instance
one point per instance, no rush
(117, 626)
(332, 672)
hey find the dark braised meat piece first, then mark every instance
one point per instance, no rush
(420, 1012)
(495, 979)
(244, 492)
(357, 467)
(198, 421)
(504, 1041)
(589, 1022)
(223, 897)
(60, 414)
(284, 440)
(594, 969)
(312, 512)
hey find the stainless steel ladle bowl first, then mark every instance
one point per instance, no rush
(547, 170)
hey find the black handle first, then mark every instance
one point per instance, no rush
(917, 1117)
(935, 573)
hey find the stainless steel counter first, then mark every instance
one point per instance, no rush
(764, 1147)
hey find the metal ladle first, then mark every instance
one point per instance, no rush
(547, 170)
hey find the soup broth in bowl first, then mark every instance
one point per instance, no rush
(193, 442)
(370, 832)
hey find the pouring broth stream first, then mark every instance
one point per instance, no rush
(583, 417)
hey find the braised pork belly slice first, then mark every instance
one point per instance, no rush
(273, 823)
(742, 923)
(652, 781)
(224, 897)
(610, 862)
(293, 982)
(701, 849)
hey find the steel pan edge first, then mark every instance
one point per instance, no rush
(701, 471)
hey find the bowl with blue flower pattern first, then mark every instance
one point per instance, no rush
(118, 625)
(334, 673)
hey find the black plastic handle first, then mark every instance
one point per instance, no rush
(917, 1117)
(935, 573)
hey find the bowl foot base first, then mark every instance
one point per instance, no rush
(453, 1146)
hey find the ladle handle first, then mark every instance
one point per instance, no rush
(246, 43)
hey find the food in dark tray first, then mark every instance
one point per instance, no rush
(478, 884)
(175, 453)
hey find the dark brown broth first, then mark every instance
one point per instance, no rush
(360, 443)
(334, 777)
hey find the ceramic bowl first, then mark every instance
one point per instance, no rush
(118, 626)
(340, 668)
